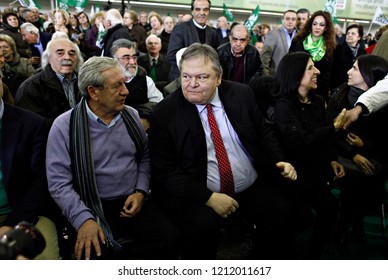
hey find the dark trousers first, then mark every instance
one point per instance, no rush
(262, 204)
(149, 235)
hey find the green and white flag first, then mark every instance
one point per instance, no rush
(65, 4)
(253, 19)
(228, 14)
(29, 3)
(331, 8)
(379, 17)
(81, 4)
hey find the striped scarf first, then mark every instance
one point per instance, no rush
(83, 164)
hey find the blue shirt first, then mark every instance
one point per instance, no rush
(117, 172)
(244, 174)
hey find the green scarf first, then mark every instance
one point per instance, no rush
(316, 49)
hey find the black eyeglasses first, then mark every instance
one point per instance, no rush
(128, 57)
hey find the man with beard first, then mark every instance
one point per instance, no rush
(54, 90)
(143, 94)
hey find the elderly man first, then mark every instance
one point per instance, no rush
(37, 41)
(38, 23)
(144, 95)
(113, 23)
(98, 171)
(54, 90)
(222, 30)
(189, 32)
(214, 160)
(155, 63)
(278, 42)
(240, 60)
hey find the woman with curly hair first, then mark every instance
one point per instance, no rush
(317, 37)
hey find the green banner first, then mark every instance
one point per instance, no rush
(228, 14)
(349, 9)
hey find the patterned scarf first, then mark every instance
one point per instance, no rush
(83, 164)
(316, 49)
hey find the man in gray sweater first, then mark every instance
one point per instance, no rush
(98, 170)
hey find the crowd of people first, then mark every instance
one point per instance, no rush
(146, 135)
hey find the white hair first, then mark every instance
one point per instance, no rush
(114, 16)
(46, 54)
(59, 35)
(29, 27)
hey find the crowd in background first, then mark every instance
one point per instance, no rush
(302, 73)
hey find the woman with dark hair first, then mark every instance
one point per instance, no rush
(345, 53)
(317, 38)
(362, 148)
(309, 142)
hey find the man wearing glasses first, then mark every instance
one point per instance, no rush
(240, 60)
(143, 93)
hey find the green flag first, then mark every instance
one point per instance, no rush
(65, 4)
(253, 19)
(81, 4)
(228, 14)
(331, 8)
(29, 3)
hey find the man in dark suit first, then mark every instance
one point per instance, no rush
(192, 31)
(24, 194)
(37, 41)
(186, 168)
(154, 59)
(222, 30)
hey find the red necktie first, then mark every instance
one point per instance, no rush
(226, 175)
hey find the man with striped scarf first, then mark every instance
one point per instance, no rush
(98, 170)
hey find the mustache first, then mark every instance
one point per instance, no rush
(66, 62)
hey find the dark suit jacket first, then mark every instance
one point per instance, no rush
(162, 68)
(222, 40)
(183, 35)
(23, 153)
(116, 32)
(178, 145)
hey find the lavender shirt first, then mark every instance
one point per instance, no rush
(117, 172)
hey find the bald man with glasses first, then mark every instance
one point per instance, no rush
(240, 61)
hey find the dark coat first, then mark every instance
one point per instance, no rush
(222, 40)
(43, 94)
(182, 36)
(139, 35)
(21, 46)
(252, 62)
(90, 47)
(23, 153)
(162, 68)
(343, 60)
(116, 32)
(178, 146)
